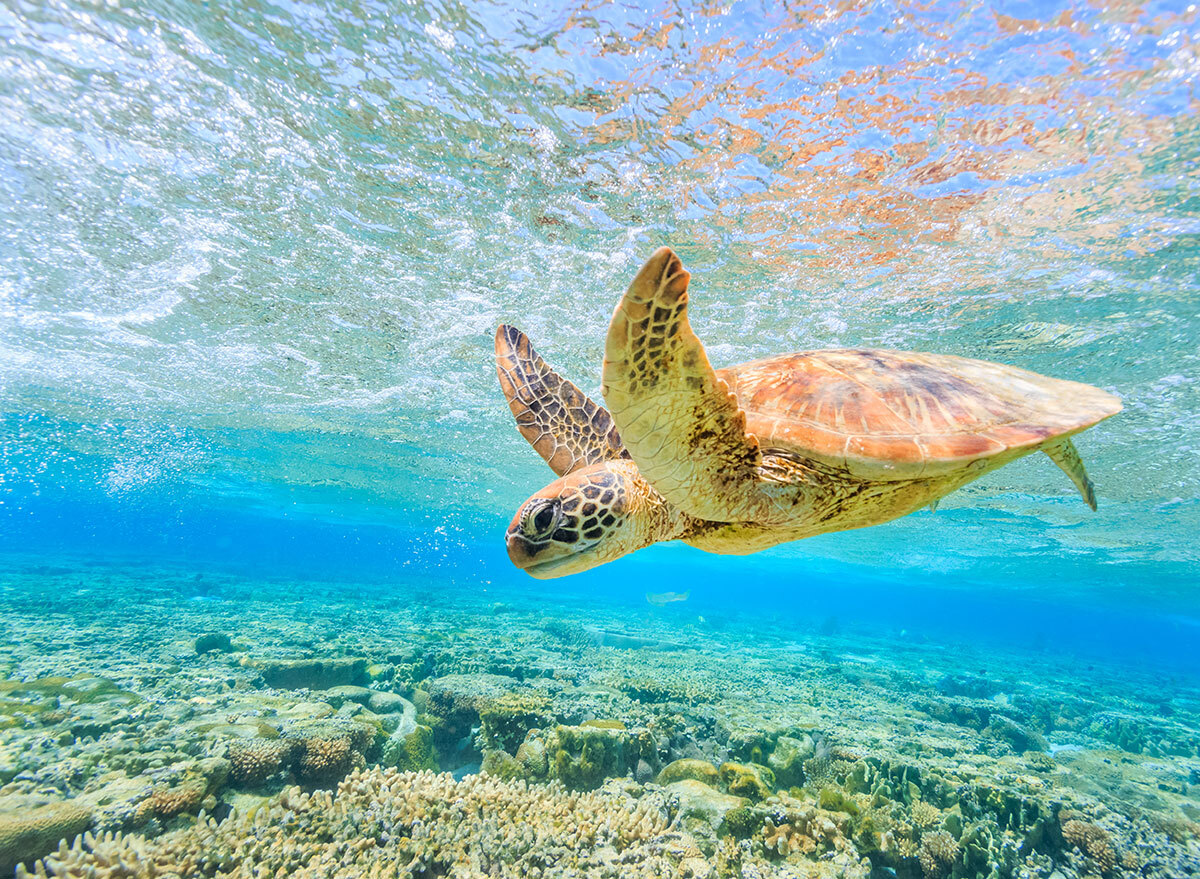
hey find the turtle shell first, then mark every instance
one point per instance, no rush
(901, 415)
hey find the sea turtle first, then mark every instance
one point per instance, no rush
(738, 459)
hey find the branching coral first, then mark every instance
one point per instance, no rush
(1093, 841)
(925, 814)
(937, 855)
(403, 824)
(256, 760)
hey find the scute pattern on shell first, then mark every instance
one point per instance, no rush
(906, 415)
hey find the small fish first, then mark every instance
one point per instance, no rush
(660, 599)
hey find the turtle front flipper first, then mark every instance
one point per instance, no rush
(565, 426)
(678, 419)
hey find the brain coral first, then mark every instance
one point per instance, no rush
(386, 823)
(34, 832)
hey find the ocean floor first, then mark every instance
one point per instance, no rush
(165, 723)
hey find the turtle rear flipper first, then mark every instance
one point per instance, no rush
(1063, 453)
(565, 426)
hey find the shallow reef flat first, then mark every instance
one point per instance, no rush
(155, 722)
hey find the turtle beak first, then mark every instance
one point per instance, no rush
(524, 555)
(518, 550)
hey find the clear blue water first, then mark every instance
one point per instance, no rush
(252, 255)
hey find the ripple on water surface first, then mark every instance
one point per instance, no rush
(232, 229)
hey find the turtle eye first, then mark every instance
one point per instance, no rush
(541, 519)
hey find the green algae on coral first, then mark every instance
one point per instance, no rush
(410, 749)
(213, 642)
(747, 780)
(584, 756)
(703, 808)
(505, 720)
(605, 724)
(502, 765)
(312, 674)
(689, 767)
(787, 760)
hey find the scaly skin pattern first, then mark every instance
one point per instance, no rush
(591, 516)
(817, 499)
(566, 427)
(679, 421)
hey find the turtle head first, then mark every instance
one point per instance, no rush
(586, 518)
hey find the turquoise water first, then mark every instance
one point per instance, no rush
(252, 256)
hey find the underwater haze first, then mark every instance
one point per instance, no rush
(256, 467)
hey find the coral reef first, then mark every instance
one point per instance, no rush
(405, 824)
(924, 814)
(689, 767)
(410, 748)
(777, 756)
(750, 781)
(171, 801)
(582, 757)
(213, 642)
(313, 674)
(505, 720)
(253, 761)
(317, 752)
(787, 759)
(324, 759)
